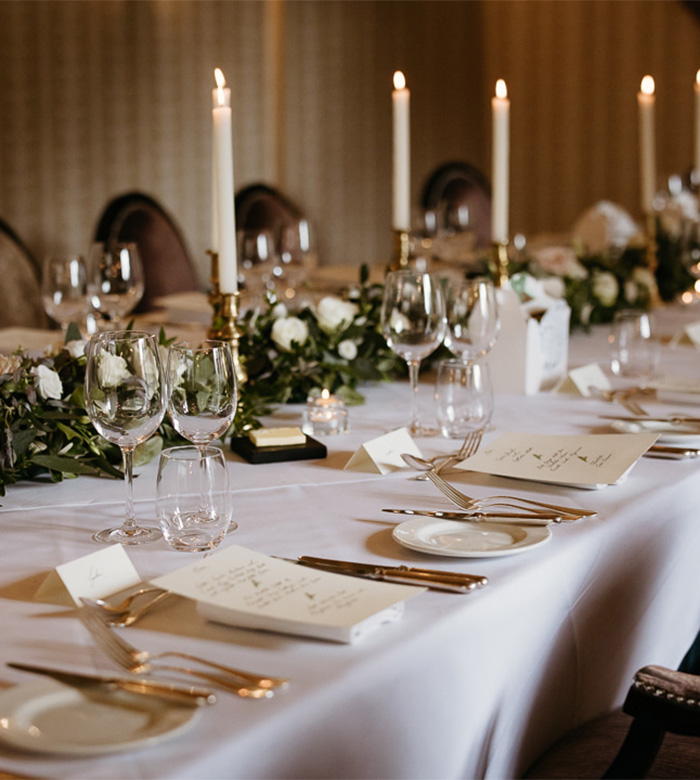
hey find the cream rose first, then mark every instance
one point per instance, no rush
(76, 348)
(112, 369)
(9, 363)
(347, 349)
(605, 287)
(561, 261)
(48, 382)
(333, 313)
(287, 330)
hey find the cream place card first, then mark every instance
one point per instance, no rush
(383, 454)
(93, 576)
(581, 380)
(247, 589)
(587, 461)
(689, 335)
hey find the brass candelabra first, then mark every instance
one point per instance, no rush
(499, 255)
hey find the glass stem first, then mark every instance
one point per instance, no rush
(413, 366)
(128, 461)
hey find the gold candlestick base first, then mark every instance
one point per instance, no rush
(224, 322)
(499, 264)
(402, 250)
(651, 246)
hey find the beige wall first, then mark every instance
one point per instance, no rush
(102, 96)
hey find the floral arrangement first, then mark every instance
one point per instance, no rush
(337, 344)
(607, 268)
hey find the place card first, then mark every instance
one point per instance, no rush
(586, 461)
(581, 380)
(676, 390)
(93, 576)
(383, 454)
(247, 589)
(689, 335)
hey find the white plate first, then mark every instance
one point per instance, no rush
(669, 433)
(469, 540)
(48, 717)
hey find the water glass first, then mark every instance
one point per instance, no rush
(463, 397)
(634, 351)
(193, 500)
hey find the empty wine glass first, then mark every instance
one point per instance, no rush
(125, 401)
(413, 323)
(297, 255)
(202, 395)
(472, 317)
(202, 390)
(115, 279)
(64, 290)
(259, 262)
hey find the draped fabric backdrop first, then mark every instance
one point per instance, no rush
(98, 98)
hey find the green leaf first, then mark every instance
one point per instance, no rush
(73, 333)
(64, 464)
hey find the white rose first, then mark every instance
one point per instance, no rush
(48, 382)
(561, 261)
(333, 313)
(279, 310)
(645, 278)
(631, 291)
(112, 369)
(605, 287)
(347, 349)
(288, 330)
(9, 363)
(554, 286)
(76, 348)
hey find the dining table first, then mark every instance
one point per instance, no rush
(463, 685)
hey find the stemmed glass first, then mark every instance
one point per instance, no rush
(202, 394)
(413, 323)
(125, 400)
(115, 279)
(297, 255)
(64, 290)
(472, 317)
(259, 261)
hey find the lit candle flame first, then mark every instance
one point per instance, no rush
(648, 85)
(399, 80)
(697, 77)
(501, 89)
(325, 393)
(220, 83)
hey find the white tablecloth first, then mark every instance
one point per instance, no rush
(462, 686)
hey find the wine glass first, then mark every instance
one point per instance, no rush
(297, 255)
(413, 323)
(125, 401)
(472, 317)
(202, 396)
(202, 390)
(259, 261)
(64, 290)
(116, 280)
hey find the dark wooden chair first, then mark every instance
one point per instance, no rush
(456, 184)
(20, 291)
(260, 207)
(653, 735)
(168, 267)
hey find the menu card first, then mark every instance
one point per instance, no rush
(246, 589)
(587, 461)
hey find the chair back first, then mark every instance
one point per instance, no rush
(167, 263)
(259, 207)
(458, 184)
(20, 291)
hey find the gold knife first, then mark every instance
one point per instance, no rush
(191, 696)
(455, 582)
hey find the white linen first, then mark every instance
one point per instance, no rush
(463, 686)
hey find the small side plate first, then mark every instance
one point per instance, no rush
(310, 450)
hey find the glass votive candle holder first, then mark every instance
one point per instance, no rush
(325, 415)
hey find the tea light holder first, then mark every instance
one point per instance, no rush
(325, 415)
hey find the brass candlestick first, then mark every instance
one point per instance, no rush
(224, 323)
(402, 250)
(651, 246)
(499, 254)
